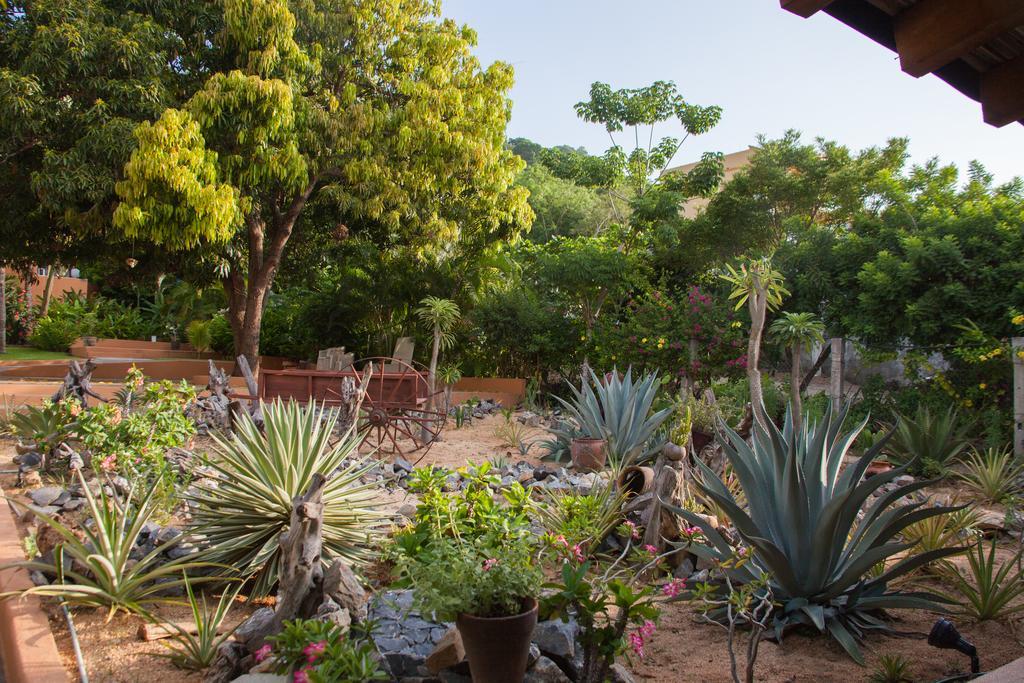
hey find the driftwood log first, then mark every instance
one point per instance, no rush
(305, 589)
(78, 382)
(213, 410)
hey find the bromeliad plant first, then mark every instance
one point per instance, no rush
(101, 571)
(927, 443)
(262, 472)
(801, 521)
(46, 427)
(618, 410)
(993, 473)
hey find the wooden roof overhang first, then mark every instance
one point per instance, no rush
(976, 46)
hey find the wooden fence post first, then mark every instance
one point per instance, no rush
(1017, 349)
(835, 390)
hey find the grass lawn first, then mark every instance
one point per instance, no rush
(29, 353)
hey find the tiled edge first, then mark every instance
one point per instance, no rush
(28, 649)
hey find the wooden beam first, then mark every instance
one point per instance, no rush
(804, 8)
(1002, 93)
(933, 33)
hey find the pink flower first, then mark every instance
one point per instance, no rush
(301, 676)
(489, 564)
(633, 530)
(314, 650)
(109, 463)
(262, 653)
(578, 553)
(636, 641)
(647, 630)
(651, 549)
(673, 588)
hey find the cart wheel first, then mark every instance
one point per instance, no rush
(400, 415)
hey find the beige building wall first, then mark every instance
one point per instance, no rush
(733, 163)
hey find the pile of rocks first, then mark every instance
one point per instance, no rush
(417, 649)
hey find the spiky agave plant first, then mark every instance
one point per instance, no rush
(618, 410)
(801, 520)
(261, 472)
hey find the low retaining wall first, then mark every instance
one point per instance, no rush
(28, 649)
(509, 391)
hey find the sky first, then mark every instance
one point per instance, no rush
(768, 69)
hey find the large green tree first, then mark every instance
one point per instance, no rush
(374, 113)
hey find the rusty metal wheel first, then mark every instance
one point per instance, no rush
(400, 415)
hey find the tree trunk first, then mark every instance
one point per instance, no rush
(432, 377)
(3, 309)
(794, 388)
(757, 303)
(826, 351)
(44, 305)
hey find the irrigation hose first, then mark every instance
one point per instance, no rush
(82, 675)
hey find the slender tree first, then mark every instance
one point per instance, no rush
(761, 288)
(798, 332)
(3, 309)
(371, 114)
(441, 315)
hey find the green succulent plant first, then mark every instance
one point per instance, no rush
(801, 520)
(261, 472)
(197, 651)
(618, 410)
(97, 569)
(927, 442)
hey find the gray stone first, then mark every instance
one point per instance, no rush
(388, 645)
(533, 656)
(402, 465)
(33, 510)
(182, 550)
(685, 569)
(31, 459)
(166, 535)
(449, 676)
(557, 638)
(545, 671)
(619, 674)
(46, 495)
(408, 510)
(74, 504)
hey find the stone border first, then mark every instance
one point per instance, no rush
(28, 649)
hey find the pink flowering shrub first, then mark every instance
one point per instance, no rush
(313, 651)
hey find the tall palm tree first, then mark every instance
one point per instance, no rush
(798, 331)
(441, 315)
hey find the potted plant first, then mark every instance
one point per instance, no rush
(704, 416)
(473, 560)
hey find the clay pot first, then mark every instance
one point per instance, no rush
(589, 454)
(634, 480)
(498, 648)
(699, 440)
(877, 467)
(673, 452)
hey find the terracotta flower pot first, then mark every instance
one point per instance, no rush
(634, 480)
(589, 454)
(699, 440)
(877, 467)
(498, 648)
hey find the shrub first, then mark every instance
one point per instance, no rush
(221, 339)
(927, 442)
(102, 571)
(801, 520)
(582, 520)
(56, 334)
(133, 437)
(322, 654)
(199, 335)
(262, 471)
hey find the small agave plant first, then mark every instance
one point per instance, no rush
(618, 410)
(801, 522)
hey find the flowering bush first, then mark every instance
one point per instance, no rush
(653, 332)
(19, 313)
(469, 553)
(130, 436)
(313, 651)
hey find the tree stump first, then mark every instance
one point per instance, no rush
(78, 383)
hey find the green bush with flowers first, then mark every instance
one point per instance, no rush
(652, 331)
(473, 552)
(314, 651)
(131, 434)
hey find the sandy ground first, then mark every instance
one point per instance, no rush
(682, 650)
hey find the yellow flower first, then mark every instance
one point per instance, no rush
(968, 403)
(1018, 319)
(982, 386)
(644, 340)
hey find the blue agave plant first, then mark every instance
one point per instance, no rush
(802, 522)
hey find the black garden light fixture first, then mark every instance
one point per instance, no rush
(945, 636)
